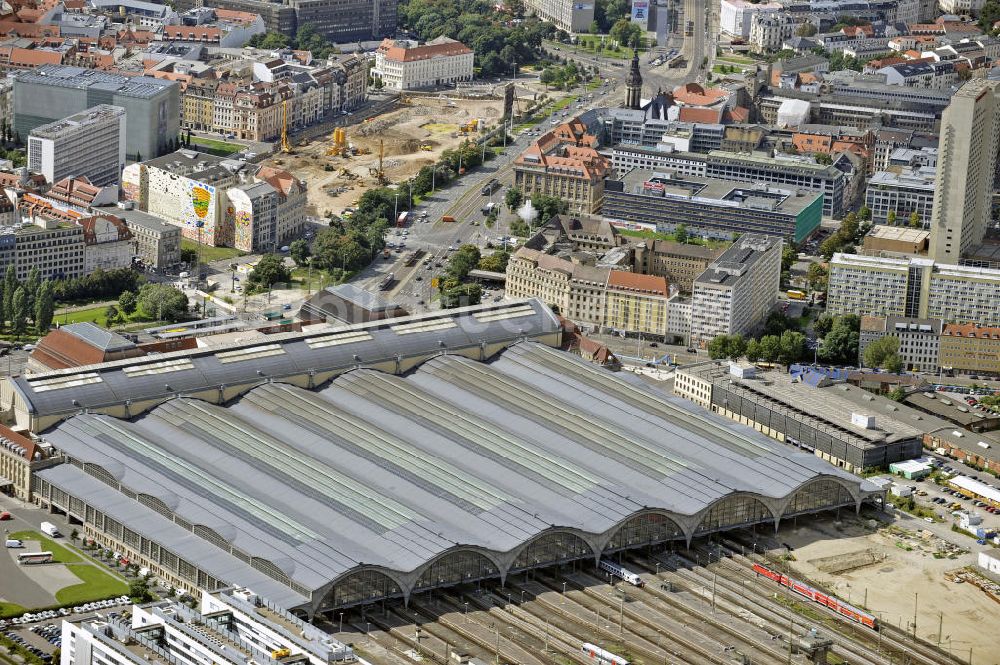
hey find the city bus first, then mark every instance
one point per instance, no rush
(34, 557)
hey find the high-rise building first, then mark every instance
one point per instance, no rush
(53, 92)
(90, 144)
(967, 161)
(568, 15)
(738, 290)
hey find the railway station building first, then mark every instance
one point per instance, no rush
(351, 465)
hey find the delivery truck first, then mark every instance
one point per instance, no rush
(49, 529)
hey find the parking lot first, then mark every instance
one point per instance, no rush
(947, 501)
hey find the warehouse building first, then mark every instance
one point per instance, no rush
(496, 455)
(843, 424)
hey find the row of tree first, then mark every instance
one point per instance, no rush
(786, 348)
(306, 39)
(152, 302)
(853, 228)
(34, 299)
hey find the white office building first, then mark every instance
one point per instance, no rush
(230, 627)
(88, 144)
(736, 293)
(735, 16)
(404, 65)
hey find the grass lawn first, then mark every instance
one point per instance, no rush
(97, 584)
(209, 253)
(11, 609)
(92, 314)
(656, 235)
(60, 554)
(221, 148)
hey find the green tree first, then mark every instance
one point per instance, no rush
(823, 158)
(753, 351)
(865, 213)
(770, 348)
(681, 233)
(817, 277)
(788, 257)
(495, 262)
(823, 325)
(884, 353)
(270, 270)
(461, 295)
(513, 199)
(299, 251)
(793, 347)
(161, 302)
(464, 260)
(31, 287)
(727, 346)
(127, 302)
(915, 222)
(548, 206)
(595, 28)
(44, 308)
(139, 592)
(19, 311)
(189, 255)
(10, 285)
(890, 218)
(840, 346)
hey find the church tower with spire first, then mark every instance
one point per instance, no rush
(633, 84)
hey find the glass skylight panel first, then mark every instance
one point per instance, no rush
(61, 382)
(251, 353)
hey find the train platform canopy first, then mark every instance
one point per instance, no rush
(130, 387)
(380, 485)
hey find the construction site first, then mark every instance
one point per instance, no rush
(388, 148)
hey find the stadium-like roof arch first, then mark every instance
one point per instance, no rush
(380, 486)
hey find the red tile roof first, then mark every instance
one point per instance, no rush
(398, 51)
(970, 330)
(635, 282)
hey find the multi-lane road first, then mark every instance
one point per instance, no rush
(463, 200)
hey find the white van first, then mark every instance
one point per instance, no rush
(13, 542)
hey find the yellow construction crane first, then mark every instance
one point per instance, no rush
(286, 147)
(379, 172)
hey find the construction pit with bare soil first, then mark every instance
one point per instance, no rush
(411, 136)
(893, 568)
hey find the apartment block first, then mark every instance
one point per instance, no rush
(769, 31)
(918, 339)
(231, 626)
(569, 15)
(53, 92)
(348, 21)
(578, 291)
(636, 303)
(158, 243)
(405, 65)
(967, 166)
(89, 144)
(970, 347)
(738, 290)
(902, 191)
(680, 263)
(913, 287)
(711, 207)
(255, 215)
(58, 250)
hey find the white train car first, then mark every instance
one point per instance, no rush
(599, 655)
(619, 571)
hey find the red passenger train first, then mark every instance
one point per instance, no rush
(835, 604)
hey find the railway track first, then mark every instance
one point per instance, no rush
(477, 632)
(764, 608)
(687, 650)
(396, 635)
(755, 645)
(889, 638)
